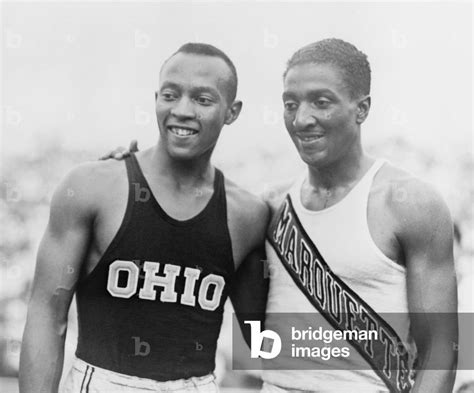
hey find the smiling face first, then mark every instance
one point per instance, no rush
(322, 118)
(192, 104)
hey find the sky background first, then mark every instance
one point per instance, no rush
(86, 72)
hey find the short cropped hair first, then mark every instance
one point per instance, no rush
(351, 61)
(198, 48)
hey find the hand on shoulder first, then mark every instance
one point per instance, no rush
(120, 152)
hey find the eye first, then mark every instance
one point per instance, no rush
(168, 95)
(202, 100)
(290, 106)
(322, 102)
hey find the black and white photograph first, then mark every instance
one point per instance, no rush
(236, 196)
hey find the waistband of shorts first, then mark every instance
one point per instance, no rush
(131, 380)
(271, 387)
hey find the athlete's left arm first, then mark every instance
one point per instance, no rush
(250, 290)
(425, 232)
(250, 287)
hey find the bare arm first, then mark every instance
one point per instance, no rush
(249, 216)
(427, 243)
(58, 265)
(250, 290)
(250, 293)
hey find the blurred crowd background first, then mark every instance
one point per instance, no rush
(79, 80)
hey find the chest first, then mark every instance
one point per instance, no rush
(131, 222)
(320, 245)
(357, 236)
(317, 200)
(180, 204)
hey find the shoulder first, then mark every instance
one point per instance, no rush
(275, 194)
(248, 211)
(416, 205)
(251, 206)
(86, 184)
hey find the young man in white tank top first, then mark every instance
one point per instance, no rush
(384, 236)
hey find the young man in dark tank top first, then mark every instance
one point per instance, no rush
(152, 246)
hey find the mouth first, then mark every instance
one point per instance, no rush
(182, 131)
(308, 138)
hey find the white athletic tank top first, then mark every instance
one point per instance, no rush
(341, 234)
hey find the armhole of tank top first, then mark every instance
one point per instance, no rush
(390, 262)
(128, 209)
(123, 225)
(222, 194)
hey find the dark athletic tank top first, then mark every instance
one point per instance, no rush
(153, 305)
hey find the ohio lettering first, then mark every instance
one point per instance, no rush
(209, 287)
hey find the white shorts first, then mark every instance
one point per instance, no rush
(270, 388)
(86, 378)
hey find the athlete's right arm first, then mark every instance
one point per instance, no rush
(60, 256)
(120, 152)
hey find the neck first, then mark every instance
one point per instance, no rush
(183, 173)
(342, 172)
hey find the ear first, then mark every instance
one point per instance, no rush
(233, 112)
(363, 108)
(156, 95)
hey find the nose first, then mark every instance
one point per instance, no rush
(304, 117)
(183, 109)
